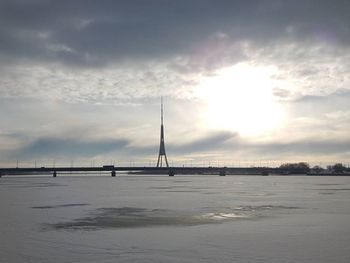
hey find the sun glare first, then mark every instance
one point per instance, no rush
(240, 98)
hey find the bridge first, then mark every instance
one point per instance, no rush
(113, 170)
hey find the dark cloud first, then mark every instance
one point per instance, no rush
(218, 142)
(231, 142)
(341, 95)
(92, 33)
(57, 147)
(210, 142)
(72, 147)
(281, 93)
(308, 147)
(324, 101)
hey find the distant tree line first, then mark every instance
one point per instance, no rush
(304, 168)
(295, 168)
(337, 168)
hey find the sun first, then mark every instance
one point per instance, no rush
(240, 98)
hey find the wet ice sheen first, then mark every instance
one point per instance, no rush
(57, 206)
(128, 217)
(161, 219)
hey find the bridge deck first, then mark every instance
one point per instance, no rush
(139, 169)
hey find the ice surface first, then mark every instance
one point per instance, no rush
(175, 219)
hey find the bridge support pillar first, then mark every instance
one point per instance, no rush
(265, 173)
(113, 173)
(222, 173)
(171, 173)
(54, 174)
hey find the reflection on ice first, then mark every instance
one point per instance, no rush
(263, 207)
(223, 216)
(57, 206)
(129, 217)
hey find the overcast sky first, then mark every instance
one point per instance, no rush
(242, 81)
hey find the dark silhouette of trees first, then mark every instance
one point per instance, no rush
(295, 168)
(317, 169)
(338, 168)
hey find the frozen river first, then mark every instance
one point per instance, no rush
(175, 219)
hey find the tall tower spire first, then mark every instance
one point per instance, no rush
(162, 145)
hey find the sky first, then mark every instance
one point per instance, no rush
(243, 82)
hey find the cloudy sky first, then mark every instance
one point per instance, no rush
(243, 82)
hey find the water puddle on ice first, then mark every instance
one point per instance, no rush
(58, 206)
(131, 217)
(223, 216)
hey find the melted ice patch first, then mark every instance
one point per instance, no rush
(131, 217)
(223, 216)
(59, 206)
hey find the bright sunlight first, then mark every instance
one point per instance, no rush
(239, 98)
